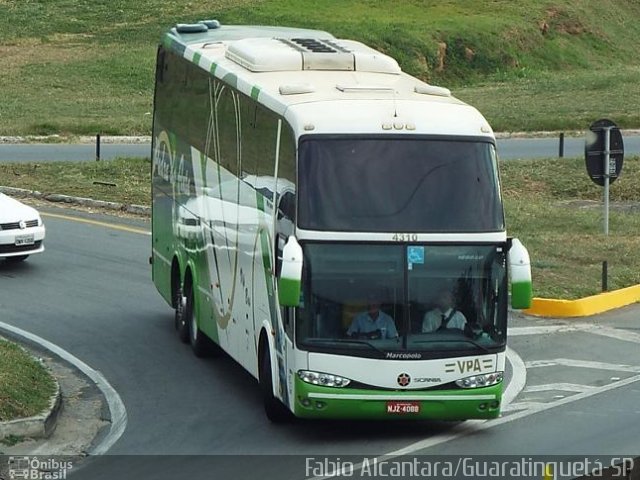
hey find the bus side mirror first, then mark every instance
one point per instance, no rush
(291, 274)
(520, 275)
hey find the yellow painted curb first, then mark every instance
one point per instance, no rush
(548, 307)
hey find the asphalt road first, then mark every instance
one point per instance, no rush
(91, 294)
(508, 149)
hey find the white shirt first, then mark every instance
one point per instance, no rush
(433, 319)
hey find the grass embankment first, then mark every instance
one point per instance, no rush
(86, 66)
(555, 209)
(25, 385)
(130, 176)
(544, 200)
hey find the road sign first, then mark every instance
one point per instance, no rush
(603, 153)
(597, 148)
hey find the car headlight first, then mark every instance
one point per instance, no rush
(323, 379)
(477, 381)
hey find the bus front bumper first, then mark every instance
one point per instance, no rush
(314, 401)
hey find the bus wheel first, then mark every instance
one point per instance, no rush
(274, 409)
(182, 327)
(198, 340)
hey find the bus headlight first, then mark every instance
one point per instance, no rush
(323, 379)
(477, 381)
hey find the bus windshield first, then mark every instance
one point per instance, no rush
(404, 301)
(398, 185)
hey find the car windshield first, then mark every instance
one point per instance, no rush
(403, 301)
(385, 185)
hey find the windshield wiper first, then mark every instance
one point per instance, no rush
(340, 340)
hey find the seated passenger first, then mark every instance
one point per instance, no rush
(373, 323)
(444, 315)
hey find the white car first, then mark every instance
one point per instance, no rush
(21, 230)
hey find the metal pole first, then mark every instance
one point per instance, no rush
(605, 171)
(561, 146)
(97, 147)
(605, 276)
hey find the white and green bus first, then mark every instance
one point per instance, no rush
(294, 176)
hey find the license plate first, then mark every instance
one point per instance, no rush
(24, 240)
(403, 408)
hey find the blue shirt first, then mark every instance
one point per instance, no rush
(363, 323)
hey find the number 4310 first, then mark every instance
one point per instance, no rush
(405, 237)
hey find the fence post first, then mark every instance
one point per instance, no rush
(561, 145)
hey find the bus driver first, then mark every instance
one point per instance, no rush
(372, 323)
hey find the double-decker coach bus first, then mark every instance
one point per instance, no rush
(312, 204)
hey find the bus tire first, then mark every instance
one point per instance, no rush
(180, 321)
(197, 339)
(274, 409)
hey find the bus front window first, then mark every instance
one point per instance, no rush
(378, 300)
(385, 184)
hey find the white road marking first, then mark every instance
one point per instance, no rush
(518, 379)
(617, 333)
(568, 362)
(544, 329)
(514, 407)
(116, 405)
(602, 330)
(564, 387)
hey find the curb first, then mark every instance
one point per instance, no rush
(85, 202)
(583, 307)
(80, 139)
(556, 133)
(37, 426)
(543, 307)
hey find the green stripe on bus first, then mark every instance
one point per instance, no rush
(255, 91)
(172, 44)
(167, 41)
(196, 58)
(213, 68)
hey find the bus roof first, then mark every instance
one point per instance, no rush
(322, 84)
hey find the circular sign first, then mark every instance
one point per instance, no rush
(595, 151)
